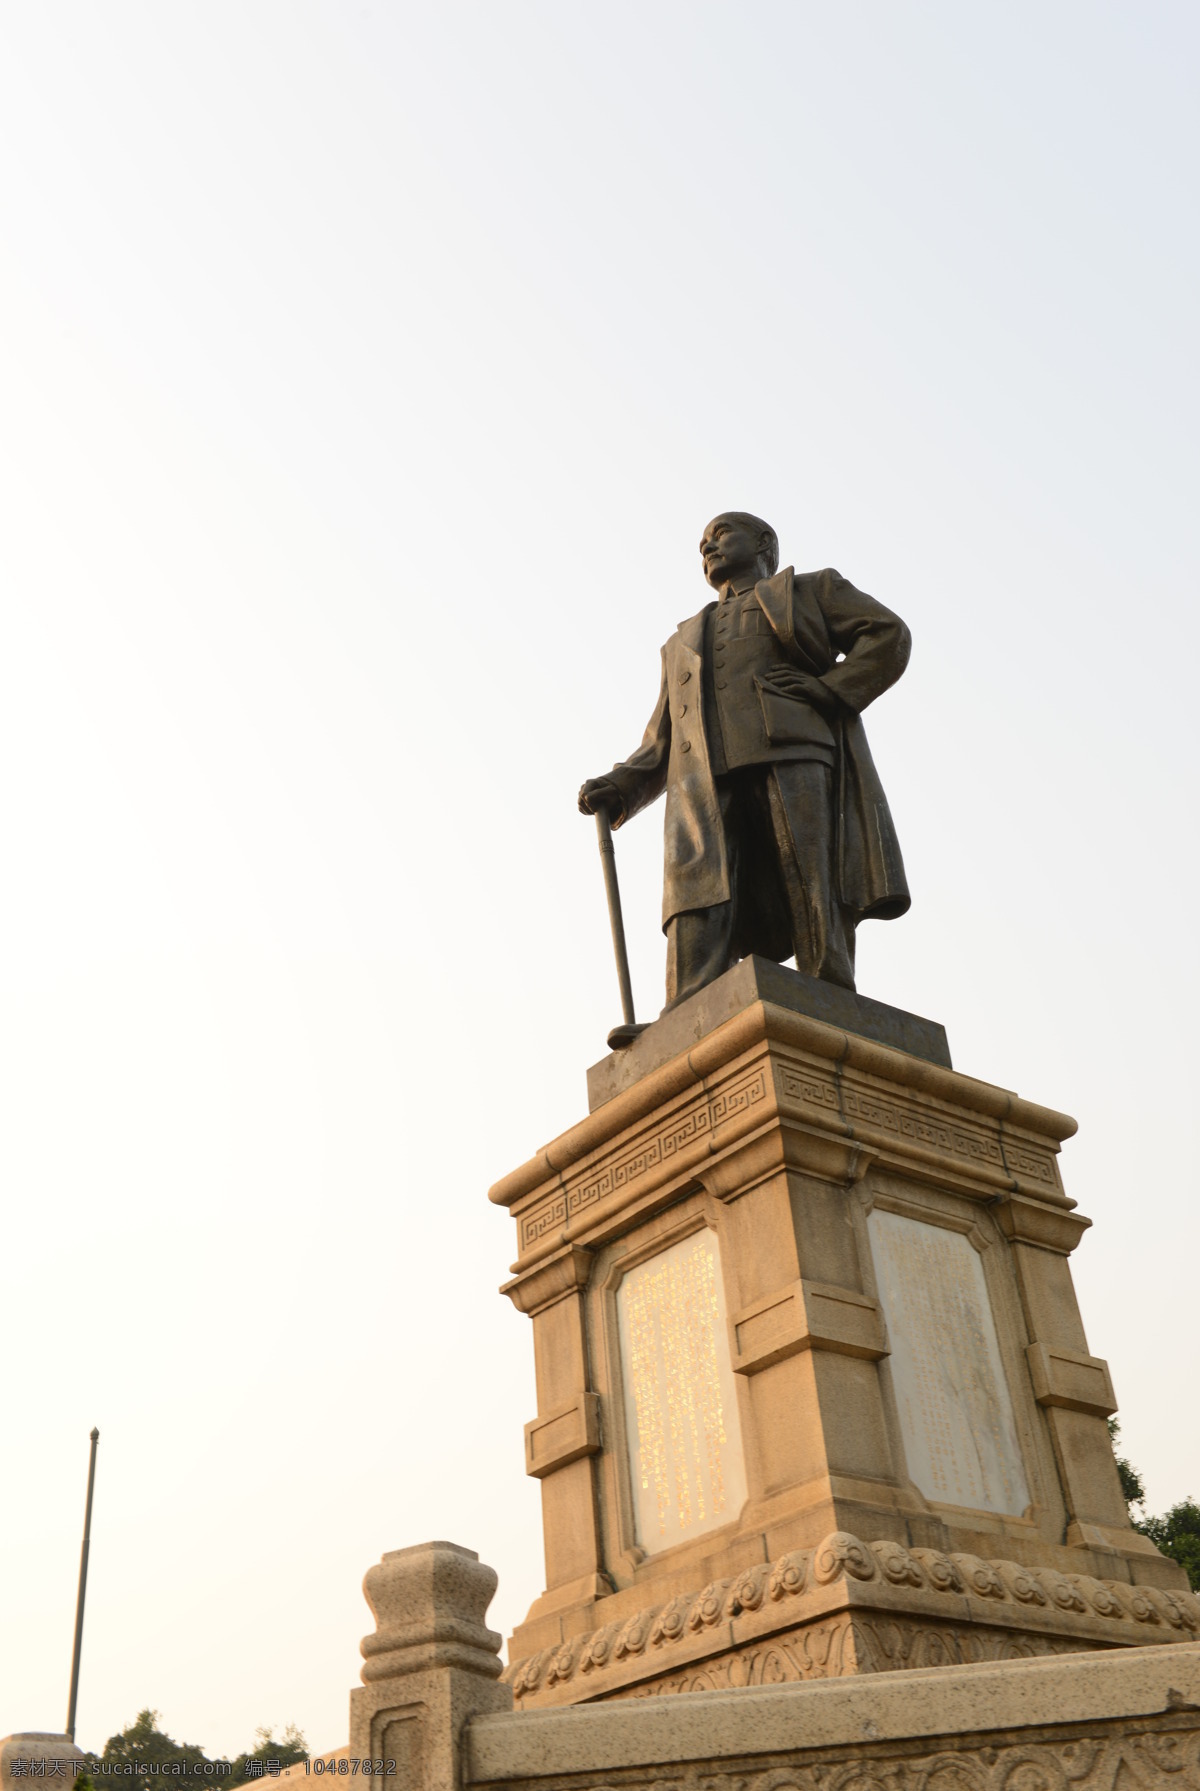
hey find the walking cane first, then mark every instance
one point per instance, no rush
(621, 1036)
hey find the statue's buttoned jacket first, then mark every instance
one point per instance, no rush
(819, 623)
(740, 651)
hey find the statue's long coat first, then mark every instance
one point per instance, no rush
(816, 616)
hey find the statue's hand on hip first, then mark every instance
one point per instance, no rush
(601, 793)
(787, 681)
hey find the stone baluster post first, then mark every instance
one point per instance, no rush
(430, 1666)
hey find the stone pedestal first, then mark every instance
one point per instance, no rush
(814, 1395)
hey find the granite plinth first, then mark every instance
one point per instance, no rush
(894, 1351)
(758, 979)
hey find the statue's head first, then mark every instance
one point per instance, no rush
(737, 545)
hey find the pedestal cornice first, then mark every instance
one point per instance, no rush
(760, 1021)
(833, 1101)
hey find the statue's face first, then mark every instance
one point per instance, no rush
(729, 550)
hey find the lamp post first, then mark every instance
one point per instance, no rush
(83, 1567)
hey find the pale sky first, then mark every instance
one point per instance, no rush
(369, 374)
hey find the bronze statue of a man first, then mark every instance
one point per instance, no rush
(778, 835)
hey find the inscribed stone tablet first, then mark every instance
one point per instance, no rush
(955, 1411)
(681, 1416)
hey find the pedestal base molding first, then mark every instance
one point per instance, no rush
(849, 1607)
(848, 1645)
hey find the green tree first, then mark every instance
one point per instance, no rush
(267, 1752)
(1176, 1532)
(142, 1741)
(1131, 1481)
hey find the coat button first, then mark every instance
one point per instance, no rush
(685, 746)
(720, 683)
(683, 708)
(684, 676)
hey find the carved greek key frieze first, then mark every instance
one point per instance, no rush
(799, 1085)
(553, 1213)
(651, 1152)
(1031, 1163)
(857, 1105)
(886, 1116)
(738, 1098)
